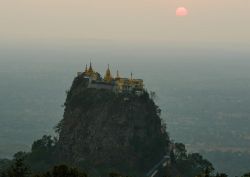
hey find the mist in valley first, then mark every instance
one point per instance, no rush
(204, 93)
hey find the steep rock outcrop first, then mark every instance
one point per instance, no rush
(104, 132)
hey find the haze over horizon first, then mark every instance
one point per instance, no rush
(224, 23)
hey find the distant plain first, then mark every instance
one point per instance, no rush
(204, 94)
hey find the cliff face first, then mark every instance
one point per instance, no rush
(110, 133)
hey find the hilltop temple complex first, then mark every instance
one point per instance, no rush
(116, 84)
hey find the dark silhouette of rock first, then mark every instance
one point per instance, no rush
(105, 132)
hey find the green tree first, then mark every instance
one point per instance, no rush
(246, 175)
(192, 164)
(180, 151)
(172, 157)
(221, 175)
(63, 171)
(18, 169)
(43, 144)
(115, 175)
(20, 155)
(43, 149)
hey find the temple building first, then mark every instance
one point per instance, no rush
(116, 84)
(89, 72)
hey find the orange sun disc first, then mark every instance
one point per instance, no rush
(181, 11)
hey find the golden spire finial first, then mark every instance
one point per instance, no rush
(90, 67)
(117, 74)
(108, 70)
(108, 76)
(90, 64)
(86, 68)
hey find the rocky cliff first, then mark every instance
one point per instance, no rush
(107, 132)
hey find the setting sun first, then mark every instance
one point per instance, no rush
(181, 11)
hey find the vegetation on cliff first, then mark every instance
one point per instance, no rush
(20, 169)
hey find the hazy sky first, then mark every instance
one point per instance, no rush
(215, 21)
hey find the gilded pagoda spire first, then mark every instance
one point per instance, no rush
(86, 68)
(90, 70)
(108, 76)
(117, 75)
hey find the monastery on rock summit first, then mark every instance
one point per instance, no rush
(116, 84)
